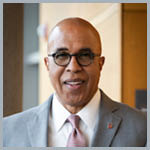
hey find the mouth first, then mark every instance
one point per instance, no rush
(74, 83)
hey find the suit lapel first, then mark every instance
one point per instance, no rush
(107, 123)
(38, 126)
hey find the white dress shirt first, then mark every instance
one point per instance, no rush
(59, 130)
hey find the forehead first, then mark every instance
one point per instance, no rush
(73, 37)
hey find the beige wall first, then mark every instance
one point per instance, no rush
(106, 17)
(108, 23)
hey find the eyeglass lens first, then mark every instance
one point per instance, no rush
(83, 58)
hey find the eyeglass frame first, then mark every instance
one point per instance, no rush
(76, 55)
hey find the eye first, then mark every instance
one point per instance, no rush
(85, 55)
(62, 56)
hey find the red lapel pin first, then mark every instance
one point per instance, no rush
(109, 126)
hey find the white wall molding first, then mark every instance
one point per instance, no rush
(106, 14)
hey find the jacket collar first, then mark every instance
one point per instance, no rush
(107, 123)
(38, 125)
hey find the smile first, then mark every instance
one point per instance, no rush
(74, 84)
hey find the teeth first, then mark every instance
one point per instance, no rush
(74, 83)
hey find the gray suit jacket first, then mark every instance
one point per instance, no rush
(29, 128)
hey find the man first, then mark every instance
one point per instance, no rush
(78, 113)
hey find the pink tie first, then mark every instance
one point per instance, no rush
(76, 138)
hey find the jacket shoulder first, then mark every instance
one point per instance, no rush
(132, 128)
(16, 125)
(30, 113)
(123, 110)
(129, 113)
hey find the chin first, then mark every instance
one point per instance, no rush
(76, 101)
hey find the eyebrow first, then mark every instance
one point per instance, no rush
(61, 49)
(81, 50)
(85, 49)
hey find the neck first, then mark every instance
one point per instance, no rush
(72, 109)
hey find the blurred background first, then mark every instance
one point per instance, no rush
(123, 31)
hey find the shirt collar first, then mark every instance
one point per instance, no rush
(59, 113)
(87, 114)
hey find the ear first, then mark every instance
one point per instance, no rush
(101, 62)
(46, 63)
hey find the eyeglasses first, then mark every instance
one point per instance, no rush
(64, 58)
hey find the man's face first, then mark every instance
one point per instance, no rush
(74, 84)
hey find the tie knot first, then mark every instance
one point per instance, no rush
(74, 120)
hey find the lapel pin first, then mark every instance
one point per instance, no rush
(109, 126)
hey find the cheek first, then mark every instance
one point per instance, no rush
(55, 73)
(94, 75)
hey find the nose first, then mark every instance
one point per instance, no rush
(73, 66)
